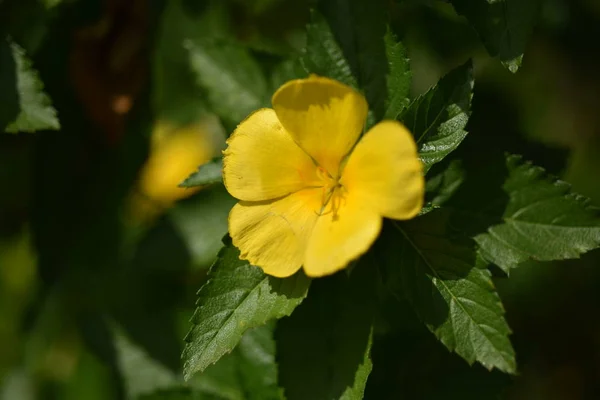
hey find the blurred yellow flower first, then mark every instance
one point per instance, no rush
(310, 195)
(175, 153)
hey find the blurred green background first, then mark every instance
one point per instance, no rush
(101, 253)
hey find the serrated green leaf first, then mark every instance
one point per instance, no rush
(35, 111)
(323, 349)
(231, 78)
(438, 118)
(503, 25)
(238, 296)
(535, 218)
(449, 288)
(323, 55)
(208, 173)
(399, 77)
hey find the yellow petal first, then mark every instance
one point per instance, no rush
(338, 239)
(385, 172)
(274, 234)
(262, 162)
(323, 116)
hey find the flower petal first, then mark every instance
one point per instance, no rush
(323, 116)
(262, 162)
(273, 235)
(385, 172)
(337, 240)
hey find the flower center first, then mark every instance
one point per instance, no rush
(334, 193)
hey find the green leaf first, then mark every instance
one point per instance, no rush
(232, 79)
(323, 55)
(208, 173)
(449, 288)
(536, 218)
(503, 25)
(438, 118)
(238, 296)
(323, 349)
(398, 78)
(34, 111)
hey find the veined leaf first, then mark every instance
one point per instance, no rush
(233, 81)
(540, 219)
(449, 288)
(208, 173)
(323, 349)
(438, 118)
(503, 25)
(34, 111)
(238, 296)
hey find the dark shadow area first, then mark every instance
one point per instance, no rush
(321, 346)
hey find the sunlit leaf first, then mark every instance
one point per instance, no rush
(35, 111)
(438, 118)
(531, 216)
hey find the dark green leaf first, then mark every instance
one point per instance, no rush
(503, 25)
(537, 218)
(323, 55)
(323, 348)
(237, 297)
(233, 81)
(35, 108)
(208, 173)
(449, 288)
(398, 78)
(438, 118)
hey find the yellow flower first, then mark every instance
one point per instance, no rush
(310, 195)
